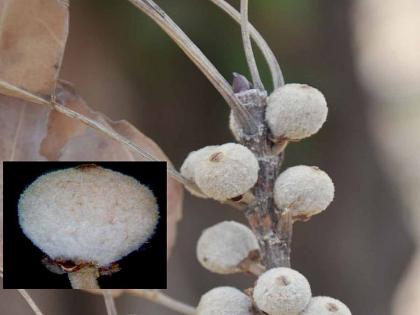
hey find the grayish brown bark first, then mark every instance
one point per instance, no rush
(272, 226)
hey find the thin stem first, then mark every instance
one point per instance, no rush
(13, 91)
(115, 135)
(162, 299)
(246, 39)
(151, 9)
(26, 296)
(256, 269)
(285, 228)
(114, 292)
(273, 64)
(30, 301)
(84, 279)
(280, 146)
(109, 302)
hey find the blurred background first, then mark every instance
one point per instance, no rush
(364, 55)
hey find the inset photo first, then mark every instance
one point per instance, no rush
(84, 225)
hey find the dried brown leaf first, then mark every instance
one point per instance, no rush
(22, 126)
(33, 35)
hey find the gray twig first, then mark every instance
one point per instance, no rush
(272, 226)
(163, 299)
(246, 39)
(269, 56)
(30, 301)
(109, 302)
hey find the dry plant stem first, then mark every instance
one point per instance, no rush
(246, 39)
(162, 299)
(30, 301)
(84, 279)
(159, 16)
(13, 91)
(272, 226)
(280, 146)
(109, 302)
(27, 297)
(98, 126)
(256, 269)
(273, 64)
(154, 296)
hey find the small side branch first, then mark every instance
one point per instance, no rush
(246, 39)
(116, 136)
(85, 278)
(255, 269)
(151, 9)
(109, 302)
(30, 301)
(27, 297)
(162, 299)
(273, 64)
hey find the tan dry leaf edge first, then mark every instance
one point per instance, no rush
(33, 35)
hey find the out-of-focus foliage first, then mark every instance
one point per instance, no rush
(388, 49)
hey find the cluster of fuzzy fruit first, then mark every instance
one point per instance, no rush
(280, 291)
(229, 172)
(231, 247)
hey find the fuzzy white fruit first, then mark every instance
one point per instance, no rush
(190, 163)
(228, 172)
(295, 111)
(227, 247)
(304, 190)
(282, 291)
(87, 214)
(224, 301)
(323, 305)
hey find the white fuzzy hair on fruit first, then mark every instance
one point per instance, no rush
(190, 163)
(87, 214)
(295, 111)
(228, 172)
(282, 291)
(323, 305)
(304, 190)
(224, 301)
(224, 246)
